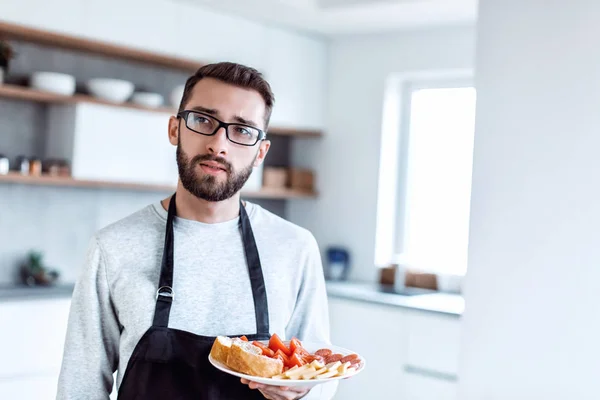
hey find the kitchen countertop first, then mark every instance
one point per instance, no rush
(22, 292)
(445, 303)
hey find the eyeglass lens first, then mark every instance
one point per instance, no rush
(206, 125)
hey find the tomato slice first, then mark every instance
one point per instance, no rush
(265, 349)
(295, 344)
(275, 344)
(296, 360)
(301, 351)
(286, 360)
(244, 338)
(308, 359)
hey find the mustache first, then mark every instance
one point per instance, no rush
(209, 157)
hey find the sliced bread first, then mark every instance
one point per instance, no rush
(246, 358)
(220, 349)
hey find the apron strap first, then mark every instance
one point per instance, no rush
(165, 294)
(259, 292)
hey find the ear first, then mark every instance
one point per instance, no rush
(173, 130)
(262, 152)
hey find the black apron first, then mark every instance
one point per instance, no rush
(173, 364)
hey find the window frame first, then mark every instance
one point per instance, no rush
(405, 87)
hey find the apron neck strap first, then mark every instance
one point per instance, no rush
(257, 282)
(165, 294)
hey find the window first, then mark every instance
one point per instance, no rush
(434, 156)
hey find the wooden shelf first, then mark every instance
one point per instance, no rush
(44, 180)
(272, 193)
(57, 40)
(307, 133)
(25, 93)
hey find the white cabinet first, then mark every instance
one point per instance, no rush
(31, 343)
(431, 366)
(411, 355)
(36, 387)
(377, 333)
(422, 387)
(107, 143)
(433, 342)
(296, 68)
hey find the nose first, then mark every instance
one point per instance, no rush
(217, 143)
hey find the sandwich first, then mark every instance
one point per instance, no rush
(244, 357)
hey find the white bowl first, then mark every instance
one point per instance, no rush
(176, 95)
(115, 90)
(147, 99)
(53, 82)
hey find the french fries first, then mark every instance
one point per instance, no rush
(317, 370)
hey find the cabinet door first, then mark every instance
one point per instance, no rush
(32, 337)
(123, 145)
(377, 333)
(40, 387)
(420, 387)
(433, 342)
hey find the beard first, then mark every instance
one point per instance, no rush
(208, 187)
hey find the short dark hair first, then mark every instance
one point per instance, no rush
(234, 74)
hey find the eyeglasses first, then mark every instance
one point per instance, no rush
(208, 125)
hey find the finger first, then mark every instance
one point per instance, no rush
(277, 393)
(269, 396)
(255, 385)
(245, 381)
(293, 389)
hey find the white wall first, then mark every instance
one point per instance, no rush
(531, 325)
(347, 159)
(294, 63)
(287, 58)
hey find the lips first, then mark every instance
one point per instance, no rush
(214, 165)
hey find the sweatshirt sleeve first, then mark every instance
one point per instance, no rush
(310, 319)
(92, 342)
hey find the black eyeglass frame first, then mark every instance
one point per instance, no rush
(184, 115)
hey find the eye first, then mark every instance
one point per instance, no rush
(240, 130)
(199, 119)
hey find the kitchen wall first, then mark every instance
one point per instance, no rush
(37, 214)
(347, 160)
(531, 324)
(293, 62)
(58, 221)
(357, 70)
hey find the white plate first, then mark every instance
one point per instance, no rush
(311, 347)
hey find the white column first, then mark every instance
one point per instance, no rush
(532, 324)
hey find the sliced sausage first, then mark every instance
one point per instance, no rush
(333, 358)
(323, 352)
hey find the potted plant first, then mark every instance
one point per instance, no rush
(6, 54)
(34, 272)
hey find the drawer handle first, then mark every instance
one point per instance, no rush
(410, 369)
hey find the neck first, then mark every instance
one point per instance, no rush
(210, 212)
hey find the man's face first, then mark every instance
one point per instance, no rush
(212, 167)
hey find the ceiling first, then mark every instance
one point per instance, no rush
(334, 17)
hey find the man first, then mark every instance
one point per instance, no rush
(161, 284)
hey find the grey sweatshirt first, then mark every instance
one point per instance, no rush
(114, 297)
